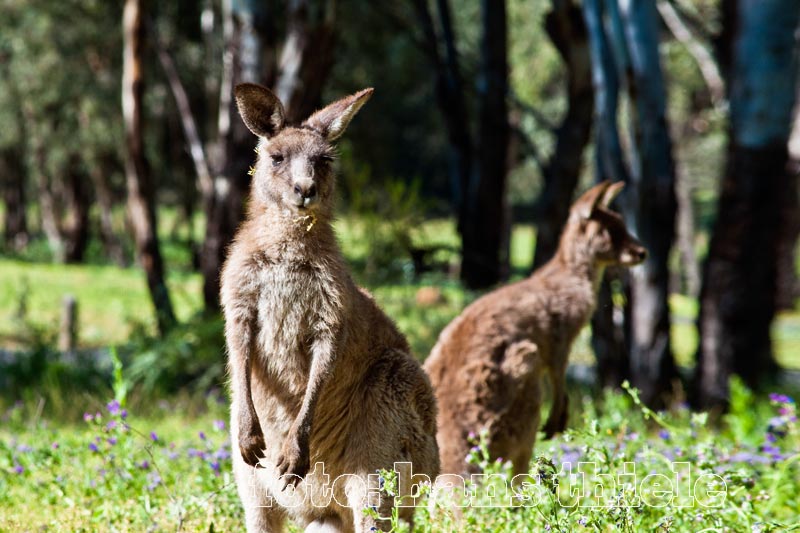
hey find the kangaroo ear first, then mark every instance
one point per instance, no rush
(332, 120)
(588, 202)
(612, 192)
(260, 109)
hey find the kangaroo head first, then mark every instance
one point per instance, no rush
(294, 163)
(598, 232)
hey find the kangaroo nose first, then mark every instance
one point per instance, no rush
(305, 193)
(641, 254)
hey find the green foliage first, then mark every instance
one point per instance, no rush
(191, 355)
(383, 218)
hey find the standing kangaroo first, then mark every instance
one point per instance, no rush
(319, 375)
(487, 365)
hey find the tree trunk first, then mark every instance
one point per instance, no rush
(485, 226)
(100, 173)
(141, 191)
(76, 223)
(307, 56)
(49, 207)
(243, 31)
(449, 97)
(737, 300)
(650, 205)
(685, 232)
(12, 175)
(608, 324)
(788, 285)
(567, 30)
(624, 43)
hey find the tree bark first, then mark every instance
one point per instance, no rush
(307, 56)
(737, 300)
(99, 173)
(650, 205)
(449, 92)
(49, 207)
(567, 30)
(788, 285)
(624, 44)
(243, 32)
(609, 332)
(141, 191)
(486, 224)
(76, 223)
(12, 174)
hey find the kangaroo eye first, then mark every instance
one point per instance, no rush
(325, 158)
(277, 159)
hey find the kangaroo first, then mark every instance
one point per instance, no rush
(487, 365)
(319, 375)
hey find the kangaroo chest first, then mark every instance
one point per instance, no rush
(295, 303)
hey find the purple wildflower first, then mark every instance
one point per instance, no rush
(780, 398)
(111, 425)
(771, 437)
(219, 425)
(123, 414)
(222, 454)
(113, 407)
(663, 434)
(153, 436)
(215, 467)
(24, 448)
(18, 469)
(202, 435)
(155, 480)
(112, 441)
(93, 447)
(54, 445)
(144, 465)
(88, 417)
(582, 521)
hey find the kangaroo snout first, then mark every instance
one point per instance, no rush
(633, 255)
(306, 193)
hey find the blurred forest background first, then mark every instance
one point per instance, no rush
(124, 173)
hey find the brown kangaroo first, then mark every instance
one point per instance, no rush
(319, 375)
(487, 365)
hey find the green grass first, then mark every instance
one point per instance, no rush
(165, 465)
(111, 300)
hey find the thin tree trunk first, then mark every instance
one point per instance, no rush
(567, 30)
(49, 207)
(449, 97)
(76, 223)
(705, 62)
(188, 124)
(737, 300)
(788, 285)
(12, 175)
(307, 56)
(99, 174)
(608, 324)
(685, 232)
(141, 192)
(650, 205)
(485, 227)
(242, 62)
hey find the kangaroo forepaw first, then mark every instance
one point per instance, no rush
(251, 446)
(293, 463)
